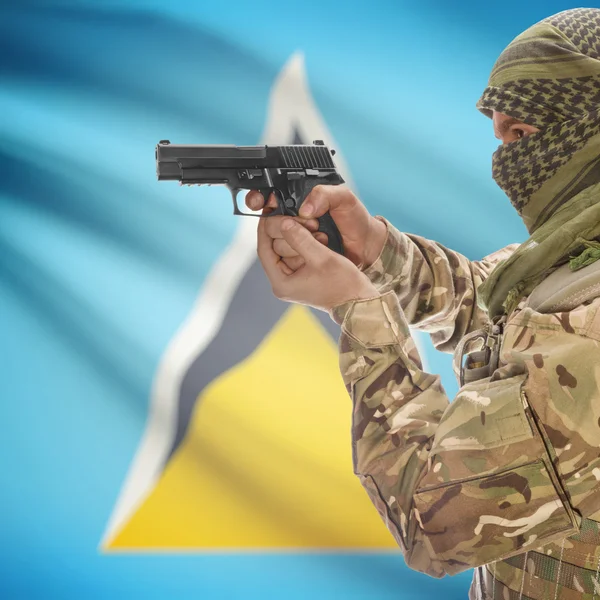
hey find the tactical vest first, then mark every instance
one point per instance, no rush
(567, 570)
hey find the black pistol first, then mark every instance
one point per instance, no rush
(289, 172)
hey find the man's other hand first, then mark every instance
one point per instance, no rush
(325, 278)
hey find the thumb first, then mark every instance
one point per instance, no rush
(318, 202)
(301, 240)
(328, 198)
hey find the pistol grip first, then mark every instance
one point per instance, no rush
(326, 223)
(334, 239)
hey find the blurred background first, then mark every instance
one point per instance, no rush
(168, 428)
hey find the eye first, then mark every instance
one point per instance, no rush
(520, 133)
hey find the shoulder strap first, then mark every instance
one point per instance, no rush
(564, 289)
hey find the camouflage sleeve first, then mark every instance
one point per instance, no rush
(465, 483)
(436, 286)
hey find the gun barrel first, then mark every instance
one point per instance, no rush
(173, 159)
(203, 153)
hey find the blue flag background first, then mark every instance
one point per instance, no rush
(100, 265)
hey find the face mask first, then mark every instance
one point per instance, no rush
(523, 167)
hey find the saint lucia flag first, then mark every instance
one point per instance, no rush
(246, 445)
(169, 428)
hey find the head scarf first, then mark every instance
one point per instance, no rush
(548, 77)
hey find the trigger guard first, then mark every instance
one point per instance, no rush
(234, 195)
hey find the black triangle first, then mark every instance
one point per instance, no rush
(297, 138)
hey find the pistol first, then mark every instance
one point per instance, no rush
(289, 172)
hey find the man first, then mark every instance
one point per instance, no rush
(505, 478)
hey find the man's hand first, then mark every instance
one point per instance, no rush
(363, 235)
(325, 278)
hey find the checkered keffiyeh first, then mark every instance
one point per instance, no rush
(548, 77)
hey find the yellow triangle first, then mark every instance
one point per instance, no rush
(266, 462)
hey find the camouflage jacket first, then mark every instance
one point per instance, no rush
(513, 463)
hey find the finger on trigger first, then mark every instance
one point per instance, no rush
(254, 200)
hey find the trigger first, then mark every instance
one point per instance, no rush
(265, 194)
